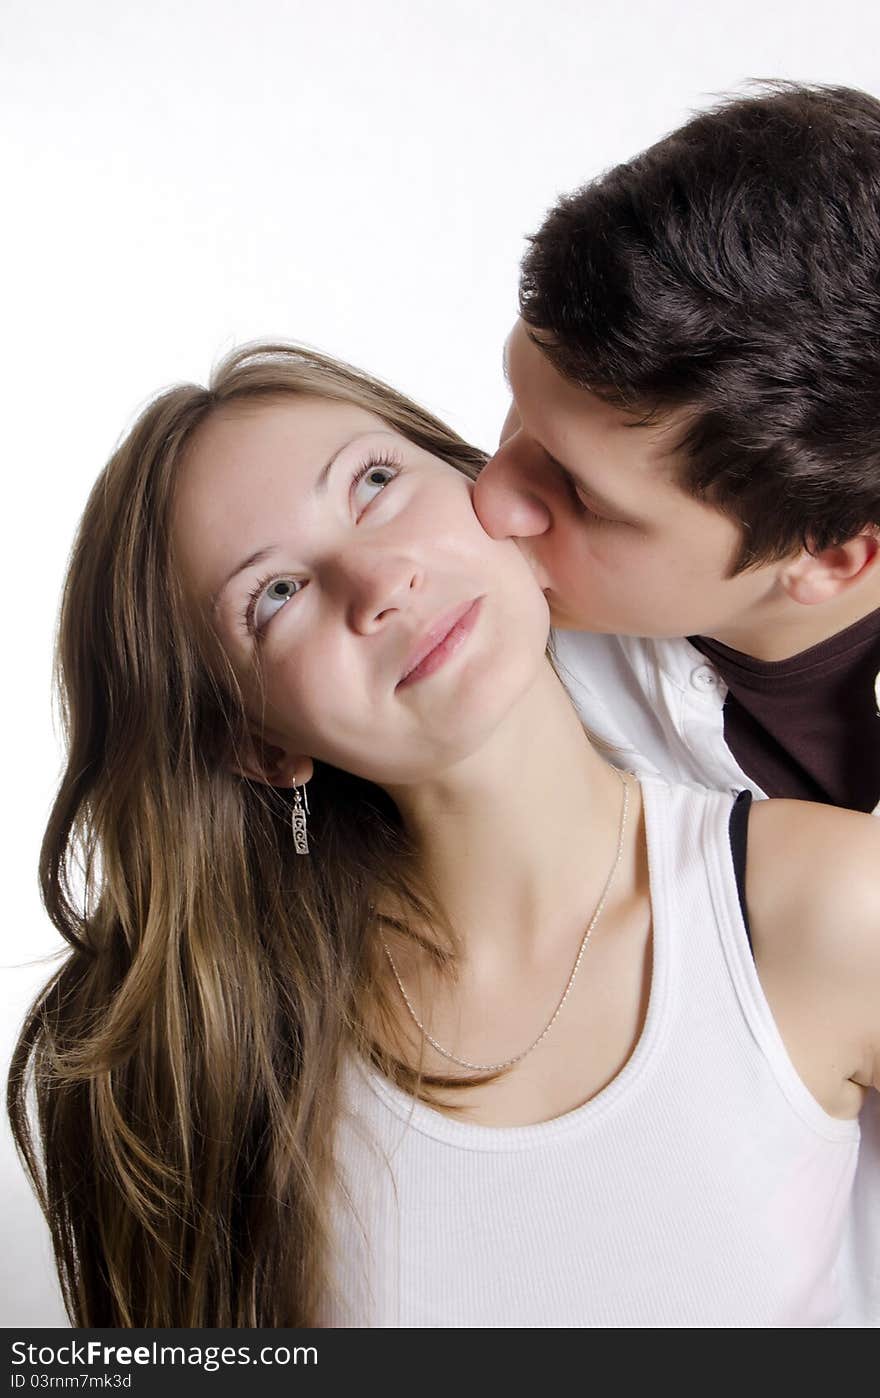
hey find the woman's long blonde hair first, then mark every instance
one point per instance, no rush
(185, 1055)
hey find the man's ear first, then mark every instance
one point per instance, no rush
(817, 577)
(263, 761)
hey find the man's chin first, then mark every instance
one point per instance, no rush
(562, 619)
(582, 626)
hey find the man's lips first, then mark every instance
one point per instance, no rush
(443, 638)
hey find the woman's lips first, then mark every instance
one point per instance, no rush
(451, 633)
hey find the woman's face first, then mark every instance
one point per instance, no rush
(323, 542)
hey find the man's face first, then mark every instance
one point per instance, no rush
(616, 544)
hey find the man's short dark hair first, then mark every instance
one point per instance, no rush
(733, 270)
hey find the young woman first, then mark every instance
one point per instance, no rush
(390, 1002)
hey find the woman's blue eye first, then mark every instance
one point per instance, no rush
(283, 588)
(375, 475)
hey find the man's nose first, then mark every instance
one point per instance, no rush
(508, 498)
(377, 583)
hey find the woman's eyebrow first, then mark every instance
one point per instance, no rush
(259, 555)
(248, 562)
(320, 486)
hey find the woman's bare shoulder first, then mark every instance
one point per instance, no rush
(803, 855)
(813, 894)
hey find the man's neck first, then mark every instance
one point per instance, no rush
(784, 628)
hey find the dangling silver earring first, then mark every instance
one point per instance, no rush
(298, 819)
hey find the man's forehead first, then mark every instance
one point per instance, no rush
(527, 363)
(571, 410)
(522, 335)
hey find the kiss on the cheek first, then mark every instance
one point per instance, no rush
(435, 976)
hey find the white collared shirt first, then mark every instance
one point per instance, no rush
(656, 705)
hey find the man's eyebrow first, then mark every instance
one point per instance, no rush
(259, 555)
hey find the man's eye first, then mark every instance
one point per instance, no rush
(581, 500)
(584, 503)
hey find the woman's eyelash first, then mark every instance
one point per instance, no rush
(381, 461)
(254, 598)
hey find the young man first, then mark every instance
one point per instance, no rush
(692, 459)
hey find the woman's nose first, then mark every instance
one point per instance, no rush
(378, 583)
(508, 500)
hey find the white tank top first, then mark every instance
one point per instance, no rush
(704, 1187)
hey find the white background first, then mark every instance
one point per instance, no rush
(178, 177)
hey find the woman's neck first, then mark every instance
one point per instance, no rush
(517, 839)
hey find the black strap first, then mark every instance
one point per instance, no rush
(739, 828)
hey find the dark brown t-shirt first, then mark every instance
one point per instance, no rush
(807, 727)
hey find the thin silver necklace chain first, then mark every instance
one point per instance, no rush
(495, 1067)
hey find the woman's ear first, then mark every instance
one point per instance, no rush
(276, 766)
